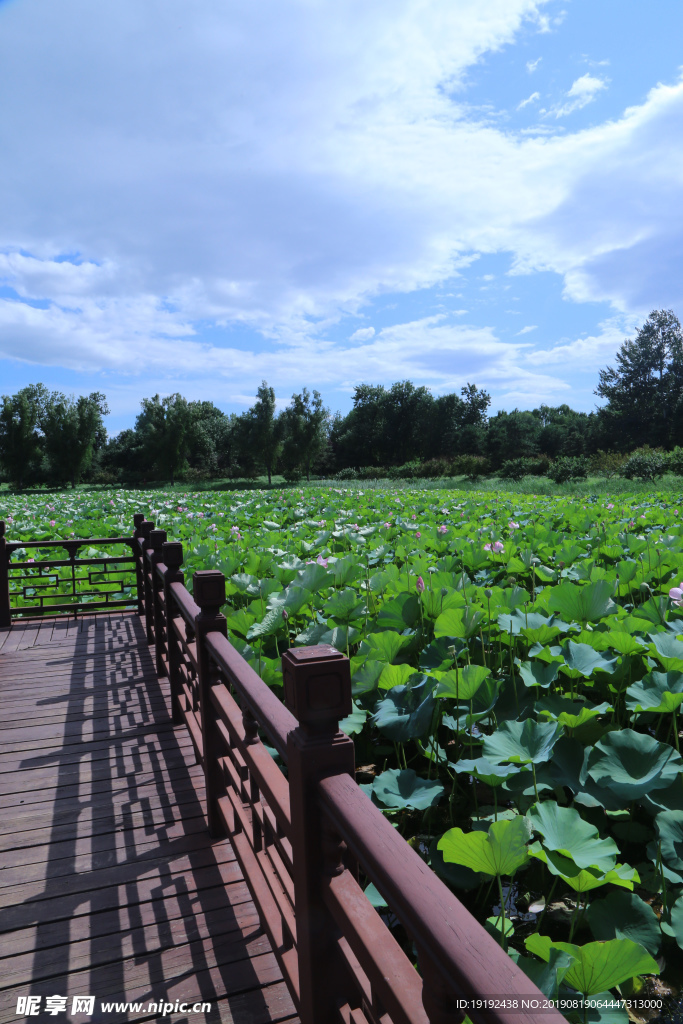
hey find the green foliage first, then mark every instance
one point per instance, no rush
(645, 464)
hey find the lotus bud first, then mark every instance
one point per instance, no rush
(285, 614)
(644, 588)
(488, 594)
(420, 585)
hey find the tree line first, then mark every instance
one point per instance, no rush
(47, 437)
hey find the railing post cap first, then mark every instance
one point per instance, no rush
(156, 539)
(146, 527)
(208, 588)
(173, 553)
(317, 684)
(138, 519)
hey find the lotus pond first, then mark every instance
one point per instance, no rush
(517, 677)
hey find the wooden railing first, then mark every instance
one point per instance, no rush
(304, 838)
(305, 835)
(46, 585)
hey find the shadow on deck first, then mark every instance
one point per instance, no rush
(110, 885)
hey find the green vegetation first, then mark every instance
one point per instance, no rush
(517, 670)
(402, 432)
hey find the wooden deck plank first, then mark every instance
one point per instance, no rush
(109, 882)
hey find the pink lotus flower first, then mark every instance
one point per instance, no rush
(420, 585)
(675, 511)
(30, 559)
(387, 525)
(322, 561)
(512, 525)
(234, 529)
(442, 529)
(52, 522)
(418, 534)
(676, 595)
(111, 502)
(497, 546)
(611, 505)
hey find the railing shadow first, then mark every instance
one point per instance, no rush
(133, 902)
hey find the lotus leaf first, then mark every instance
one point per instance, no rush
(500, 851)
(492, 774)
(598, 966)
(583, 603)
(396, 675)
(402, 612)
(522, 742)
(459, 622)
(564, 831)
(585, 660)
(406, 712)
(629, 764)
(404, 788)
(462, 684)
(623, 915)
(536, 673)
(657, 691)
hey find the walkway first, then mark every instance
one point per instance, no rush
(110, 885)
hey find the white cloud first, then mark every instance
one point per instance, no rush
(583, 91)
(530, 99)
(528, 329)
(363, 334)
(275, 169)
(531, 65)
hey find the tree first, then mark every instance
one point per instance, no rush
(304, 431)
(21, 438)
(165, 428)
(265, 429)
(644, 390)
(74, 431)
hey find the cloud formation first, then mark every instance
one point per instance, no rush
(275, 170)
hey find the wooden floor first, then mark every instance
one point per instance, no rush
(110, 885)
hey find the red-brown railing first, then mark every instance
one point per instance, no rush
(303, 838)
(46, 585)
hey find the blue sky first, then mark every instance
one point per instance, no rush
(197, 197)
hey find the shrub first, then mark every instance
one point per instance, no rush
(516, 469)
(471, 466)
(346, 474)
(292, 476)
(645, 464)
(371, 472)
(674, 461)
(569, 467)
(607, 464)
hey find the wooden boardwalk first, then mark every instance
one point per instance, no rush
(110, 884)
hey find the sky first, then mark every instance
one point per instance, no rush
(197, 197)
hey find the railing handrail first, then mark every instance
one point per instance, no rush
(15, 545)
(269, 711)
(441, 926)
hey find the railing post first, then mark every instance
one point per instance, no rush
(5, 610)
(138, 520)
(208, 591)
(172, 554)
(156, 539)
(146, 528)
(317, 685)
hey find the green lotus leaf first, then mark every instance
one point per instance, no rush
(535, 673)
(462, 684)
(584, 879)
(353, 723)
(500, 851)
(406, 712)
(657, 691)
(292, 598)
(629, 764)
(404, 788)
(314, 577)
(401, 612)
(570, 713)
(437, 655)
(586, 660)
(666, 646)
(346, 570)
(491, 774)
(340, 637)
(545, 976)
(396, 675)
(598, 966)
(677, 921)
(459, 622)
(669, 825)
(344, 607)
(526, 742)
(384, 646)
(564, 831)
(623, 915)
(588, 603)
